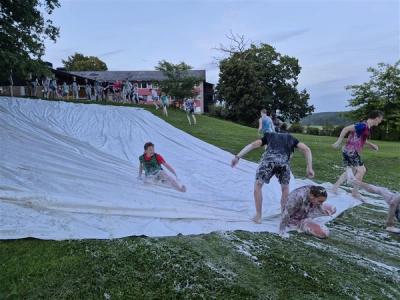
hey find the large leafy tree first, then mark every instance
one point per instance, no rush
(179, 83)
(24, 26)
(259, 77)
(80, 62)
(381, 92)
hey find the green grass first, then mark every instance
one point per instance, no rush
(358, 261)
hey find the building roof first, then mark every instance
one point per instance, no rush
(112, 76)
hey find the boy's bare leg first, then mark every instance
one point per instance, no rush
(258, 201)
(285, 195)
(188, 117)
(340, 181)
(393, 206)
(391, 199)
(360, 172)
(311, 227)
(173, 182)
(194, 119)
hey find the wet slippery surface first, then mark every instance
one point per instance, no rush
(69, 171)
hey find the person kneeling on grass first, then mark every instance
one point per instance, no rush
(152, 163)
(304, 204)
(391, 198)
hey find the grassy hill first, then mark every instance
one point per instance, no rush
(358, 261)
(326, 118)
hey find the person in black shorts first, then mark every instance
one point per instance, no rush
(189, 107)
(274, 162)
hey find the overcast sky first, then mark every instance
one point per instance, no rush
(335, 41)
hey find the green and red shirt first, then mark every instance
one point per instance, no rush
(151, 164)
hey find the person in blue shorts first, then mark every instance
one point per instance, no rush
(189, 107)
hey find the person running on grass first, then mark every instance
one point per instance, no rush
(154, 97)
(358, 134)
(391, 198)
(304, 205)
(189, 107)
(151, 163)
(164, 103)
(265, 123)
(275, 161)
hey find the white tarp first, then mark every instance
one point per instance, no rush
(69, 171)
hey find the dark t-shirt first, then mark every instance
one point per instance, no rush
(280, 146)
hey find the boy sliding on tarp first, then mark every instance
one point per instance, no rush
(151, 163)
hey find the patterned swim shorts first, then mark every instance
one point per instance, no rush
(352, 159)
(267, 169)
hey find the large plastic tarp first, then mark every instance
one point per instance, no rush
(69, 171)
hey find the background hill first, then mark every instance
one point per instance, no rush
(326, 118)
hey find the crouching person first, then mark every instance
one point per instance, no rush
(304, 205)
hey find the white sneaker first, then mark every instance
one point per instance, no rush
(393, 229)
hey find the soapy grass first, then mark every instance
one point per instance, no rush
(358, 261)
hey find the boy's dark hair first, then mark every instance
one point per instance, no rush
(318, 191)
(284, 126)
(375, 114)
(147, 145)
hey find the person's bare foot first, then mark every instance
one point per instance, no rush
(393, 229)
(358, 196)
(256, 219)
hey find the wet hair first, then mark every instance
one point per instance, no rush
(375, 114)
(318, 191)
(147, 145)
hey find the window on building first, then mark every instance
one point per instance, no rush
(142, 85)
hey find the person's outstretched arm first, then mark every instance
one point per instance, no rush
(250, 147)
(343, 133)
(272, 125)
(308, 156)
(259, 125)
(291, 207)
(140, 170)
(372, 145)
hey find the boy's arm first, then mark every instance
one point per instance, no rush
(165, 164)
(140, 170)
(290, 209)
(272, 125)
(372, 146)
(250, 147)
(259, 125)
(343, 133)
(328, 210)
(308, 156)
